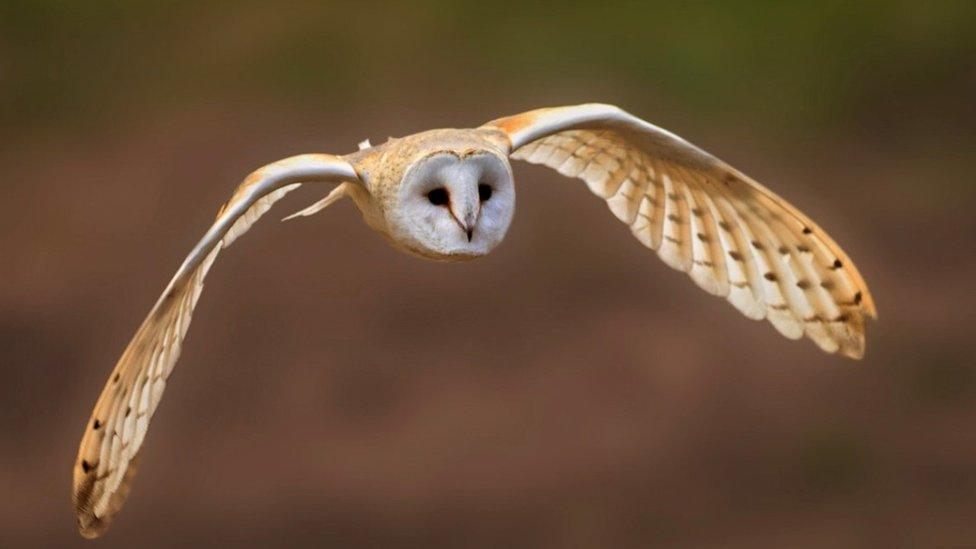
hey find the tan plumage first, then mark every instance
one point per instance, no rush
(734, 238)
(110, 446)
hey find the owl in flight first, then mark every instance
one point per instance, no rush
(449, 195)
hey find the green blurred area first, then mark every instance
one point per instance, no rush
(786, 64)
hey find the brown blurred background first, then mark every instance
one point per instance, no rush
(569, 390)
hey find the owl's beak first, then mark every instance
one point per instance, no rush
(465, 202)
(467, 225)
(468, 219)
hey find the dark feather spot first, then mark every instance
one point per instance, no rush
(735, 255)
(783, 250)
(703, 237)
(96, 424)
(857, 298)
(802, 249)
(128, 410)
(672, 240)
(758, 245)
(837, 264)
(803, 284)
(770, 277)
(697, 212)
(725, 226)
(827, 285)
(115, 378)
(674, 218)
(842, 318)
(807, 230)
(85, 466)
(674, 196)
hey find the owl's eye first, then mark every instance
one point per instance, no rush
(439, 196)
(484, 192)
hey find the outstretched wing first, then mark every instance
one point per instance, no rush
(734, 237)
(109, 448)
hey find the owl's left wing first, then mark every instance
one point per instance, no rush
(734, 237)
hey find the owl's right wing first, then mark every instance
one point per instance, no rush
(734, 237)
(109, 448)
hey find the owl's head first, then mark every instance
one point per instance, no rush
(455, 200)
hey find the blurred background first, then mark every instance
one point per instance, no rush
(569, 390)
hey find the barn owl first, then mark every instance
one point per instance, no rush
(449, 195)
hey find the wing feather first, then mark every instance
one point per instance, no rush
(115, 432)
(734, 237)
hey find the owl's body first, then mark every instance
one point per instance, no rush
(449, 195)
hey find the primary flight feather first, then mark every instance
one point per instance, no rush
(449, 195)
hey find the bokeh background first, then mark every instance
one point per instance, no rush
(567, 391)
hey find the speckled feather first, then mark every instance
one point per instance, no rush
(734, 237)
(115, 432)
